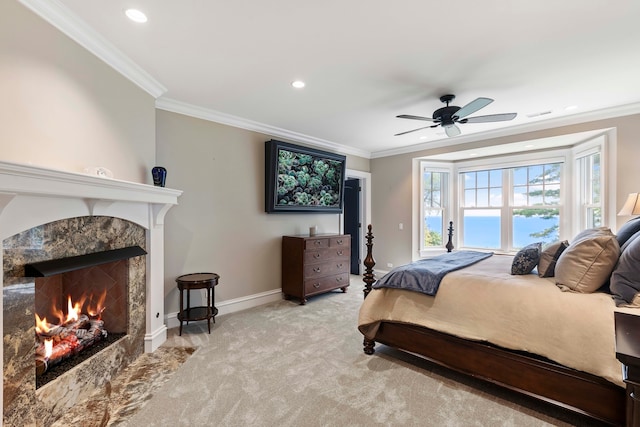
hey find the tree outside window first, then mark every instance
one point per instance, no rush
(537, 190)
(434, 195)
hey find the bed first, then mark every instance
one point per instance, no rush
(523, 332)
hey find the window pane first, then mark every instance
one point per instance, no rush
(535, 225)
(482, 228)
(482, 179)
(535, 195)
(520, 176)
(520, 196)
(469, 198)
(483, 198)
(552, 194)
(495, 178)
(436, 202)
(495, 197)
(552, 173)
(469, 179)
(536, 174)
(437, 183)
(433, 210)
(594, 217)
(432, 228)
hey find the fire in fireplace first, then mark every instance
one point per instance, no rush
(73, 332)
(81, 307)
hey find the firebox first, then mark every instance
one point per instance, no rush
(81, 306)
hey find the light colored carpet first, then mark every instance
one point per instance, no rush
(284, 364)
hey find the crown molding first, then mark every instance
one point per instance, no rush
(589, 116)
(180, 107)
(70, 24)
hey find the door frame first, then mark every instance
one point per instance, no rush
(365, 210)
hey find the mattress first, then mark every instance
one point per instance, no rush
(484, 302)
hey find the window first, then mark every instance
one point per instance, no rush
(590, 185)
(503, 203)
(536, 204)
(434, 191)
(530, 213)
(480, 219)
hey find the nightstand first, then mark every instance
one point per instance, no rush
(628, 352)
(189, 282)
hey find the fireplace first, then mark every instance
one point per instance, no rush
(48, 215)
(81, 306)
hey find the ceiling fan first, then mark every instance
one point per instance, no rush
(448, 116)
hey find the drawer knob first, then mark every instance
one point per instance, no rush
(340, 253)
(339, 241)
(317, 242)
(316, 270)
(316, 285)
(339, 265)
(339, 279)
(316, 256)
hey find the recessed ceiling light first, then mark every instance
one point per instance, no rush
(298, 84)
(529, 146)
(135, 15)
(423, 137)
(571, 107)
(473, 154)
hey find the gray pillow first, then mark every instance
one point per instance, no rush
(526, 259)
(630, 228)
(625, 279)
(628, 242)
(549, 257)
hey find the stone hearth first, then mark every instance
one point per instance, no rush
(47, 214)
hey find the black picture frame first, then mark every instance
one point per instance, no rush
(300, 179)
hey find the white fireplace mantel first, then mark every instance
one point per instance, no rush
(31, 196)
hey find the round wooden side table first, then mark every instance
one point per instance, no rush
(188, 282)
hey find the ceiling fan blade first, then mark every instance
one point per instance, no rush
(409, 116)
(414, 130)
(472, 107)
(452, 130)
(491, 118)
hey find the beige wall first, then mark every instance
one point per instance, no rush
(220, 224)
(63, 108)
(392, 183)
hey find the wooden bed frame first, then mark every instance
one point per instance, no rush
(568, 388)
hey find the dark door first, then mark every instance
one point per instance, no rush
(352, 220)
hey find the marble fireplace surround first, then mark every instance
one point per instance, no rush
(31, 196)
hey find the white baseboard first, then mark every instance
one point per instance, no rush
(233, 305)
(152, 341)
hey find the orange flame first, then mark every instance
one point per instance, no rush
(74, 310)
(97, 309)
(42, 326)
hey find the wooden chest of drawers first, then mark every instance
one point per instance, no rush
(314, 265)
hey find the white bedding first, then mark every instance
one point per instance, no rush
(485, 302)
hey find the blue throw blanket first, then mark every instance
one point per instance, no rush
(425, 275)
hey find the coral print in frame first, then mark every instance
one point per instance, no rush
(301, 179)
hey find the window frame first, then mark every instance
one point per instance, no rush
(508, 205)
(579, 153)
(602, 140)
(447, 201)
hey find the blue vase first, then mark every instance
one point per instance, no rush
(159, 176)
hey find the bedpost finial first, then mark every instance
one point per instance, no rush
(369, 278)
